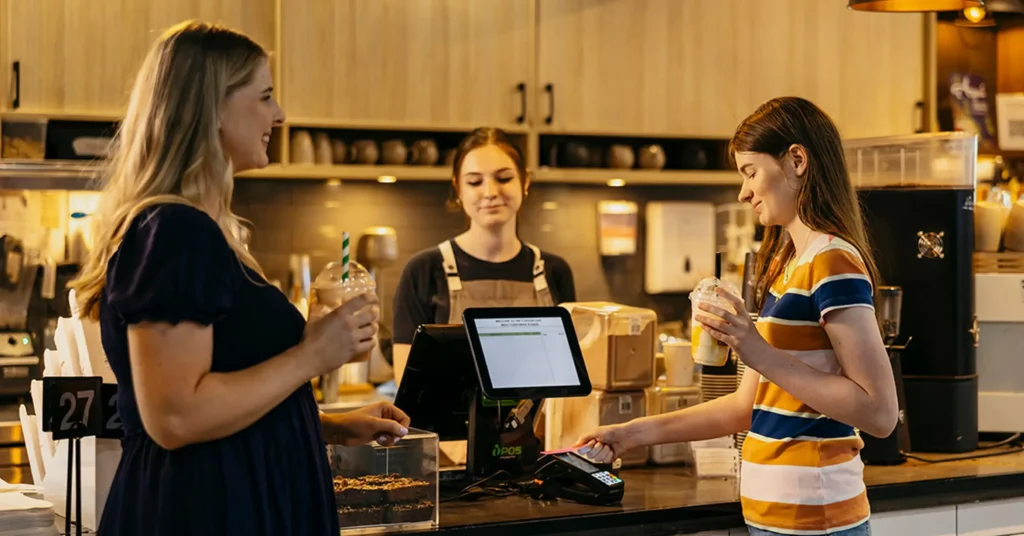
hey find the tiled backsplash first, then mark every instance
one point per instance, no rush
(307, 217)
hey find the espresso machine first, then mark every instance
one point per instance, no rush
(917, 194)
(892, 449)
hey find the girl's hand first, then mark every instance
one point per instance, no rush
(736, 330)
(606, 443)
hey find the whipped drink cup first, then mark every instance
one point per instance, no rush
(329, 291)
(705, 349)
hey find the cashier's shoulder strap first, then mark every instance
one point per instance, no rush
(540, 281)
(451, 268)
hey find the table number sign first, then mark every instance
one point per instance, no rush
(75, 407)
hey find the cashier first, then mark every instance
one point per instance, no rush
(487, 265)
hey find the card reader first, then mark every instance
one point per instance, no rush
(568, 475)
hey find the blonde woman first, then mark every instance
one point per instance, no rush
(222, 433)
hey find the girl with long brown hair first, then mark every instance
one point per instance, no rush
(817, 370)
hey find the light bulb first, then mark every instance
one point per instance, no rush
(974, 14)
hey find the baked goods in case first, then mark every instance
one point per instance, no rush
(360, 516)
(376, 499)
(379, 489)
(357, 492)
(409, 513)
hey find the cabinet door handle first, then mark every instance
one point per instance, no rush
(550, 89)
(16, 102)
(522, 100)
(919, 117)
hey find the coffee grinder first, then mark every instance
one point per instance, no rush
(917, 195)
(892, 449)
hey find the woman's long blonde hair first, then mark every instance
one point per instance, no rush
(168, 148)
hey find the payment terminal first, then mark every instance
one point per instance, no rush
(568, 475)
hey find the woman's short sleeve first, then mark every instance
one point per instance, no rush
(840, 280)
(174, 264)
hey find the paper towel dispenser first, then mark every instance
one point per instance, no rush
(680, 245)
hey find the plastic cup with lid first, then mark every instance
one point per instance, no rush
(331, 290)
(705, 349)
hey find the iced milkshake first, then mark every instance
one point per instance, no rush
(330, 291)
(705, 349)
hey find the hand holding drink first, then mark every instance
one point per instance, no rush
(706, 349)
(343, 335)
(720, 322)
(340, 283)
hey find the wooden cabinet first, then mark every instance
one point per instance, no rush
(655, 68)
(406, 62)
(698, 68)
(79, 57)
(628, 66)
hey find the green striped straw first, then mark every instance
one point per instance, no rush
(344, 256)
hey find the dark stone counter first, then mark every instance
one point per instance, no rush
(668, 500)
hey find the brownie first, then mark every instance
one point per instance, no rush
(373, 490)
(363, 516)
(408, 490)
(356, 492)
(410, 513)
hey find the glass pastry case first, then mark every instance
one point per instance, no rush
(381, 489)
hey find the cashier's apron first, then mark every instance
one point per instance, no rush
(489, 293)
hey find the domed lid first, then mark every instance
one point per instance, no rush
(704, 292)
(359, 278)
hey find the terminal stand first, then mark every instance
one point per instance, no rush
(501, 436)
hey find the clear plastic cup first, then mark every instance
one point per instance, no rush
(329, 291)
(705, 349)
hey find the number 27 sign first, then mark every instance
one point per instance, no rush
(76, 406)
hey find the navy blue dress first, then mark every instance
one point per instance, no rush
(271, 478)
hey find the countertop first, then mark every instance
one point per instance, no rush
(668, 500)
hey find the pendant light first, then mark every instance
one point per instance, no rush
(913, 6)
(977, 17)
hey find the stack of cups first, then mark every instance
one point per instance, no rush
(740, 370)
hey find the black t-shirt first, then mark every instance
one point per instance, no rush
(422, 293)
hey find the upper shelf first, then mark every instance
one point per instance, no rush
(638, 177)
(84, 171)
(353, 124)
(353, 172)
(546, 175)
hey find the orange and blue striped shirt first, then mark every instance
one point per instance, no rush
(802, 472)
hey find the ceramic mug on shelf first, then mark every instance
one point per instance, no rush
(394, 153)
